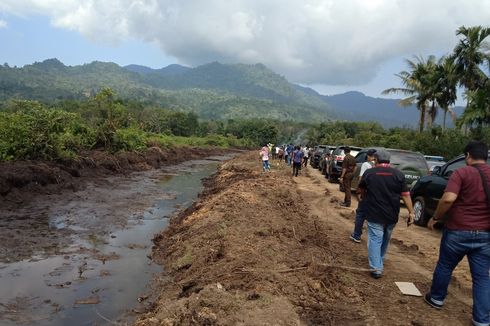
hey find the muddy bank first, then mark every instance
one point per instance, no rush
(268, 249)
(43, 204)
(21, 180)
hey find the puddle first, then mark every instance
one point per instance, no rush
(99, 275)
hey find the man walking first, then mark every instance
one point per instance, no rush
(466, 232)
(348, 169)
(360, 215)
(381, 188)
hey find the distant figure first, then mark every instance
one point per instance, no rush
(290, 150)
(281, 153)
(348, 170)
(306, 155)
(297, 160)
(360, 215)
(381, 188)
(264, 155)
(466, 200)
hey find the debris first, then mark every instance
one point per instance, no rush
(408, 288)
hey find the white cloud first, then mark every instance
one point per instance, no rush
(3, 24)
(309, 41)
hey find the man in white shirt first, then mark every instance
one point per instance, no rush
(356, 235)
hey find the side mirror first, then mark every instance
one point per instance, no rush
(436, 170)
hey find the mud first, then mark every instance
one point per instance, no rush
(268, 249)
(100, 184)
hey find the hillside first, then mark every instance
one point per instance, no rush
(213, 91)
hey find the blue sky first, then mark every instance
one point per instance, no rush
(332, 46)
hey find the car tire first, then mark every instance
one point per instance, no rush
(420, 216)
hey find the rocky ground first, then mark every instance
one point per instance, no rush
(269, 249)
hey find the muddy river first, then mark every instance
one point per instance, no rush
(81, 258)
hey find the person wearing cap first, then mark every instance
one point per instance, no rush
(356, 235)
(381, 188)
(348, 170)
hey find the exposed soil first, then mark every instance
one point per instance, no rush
(94, 189)
(269, 249)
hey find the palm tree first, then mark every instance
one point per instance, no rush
(446, 94)
(469, 56)
(418, 86)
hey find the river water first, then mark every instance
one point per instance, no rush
(99, 276)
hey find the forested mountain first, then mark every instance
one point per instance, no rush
(212, 91)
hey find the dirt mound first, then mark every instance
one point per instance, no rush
(249, 253)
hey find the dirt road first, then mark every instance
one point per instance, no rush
(269, 249)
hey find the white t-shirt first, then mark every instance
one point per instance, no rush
(366, 165)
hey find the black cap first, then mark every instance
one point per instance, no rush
(371, 151)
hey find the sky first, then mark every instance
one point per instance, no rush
(333, 46)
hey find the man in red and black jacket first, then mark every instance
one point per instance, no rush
(466, 232)
(381, 188)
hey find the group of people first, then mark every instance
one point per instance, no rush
(295, 156)
(464, 210)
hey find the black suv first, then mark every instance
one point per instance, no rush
(412, 164)
(317, 153)
(429, 189)
(336, 160)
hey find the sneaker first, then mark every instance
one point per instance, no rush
(431, 302)
(375, 275)
(345, 204)
(355, 239)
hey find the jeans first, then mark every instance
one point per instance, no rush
(379, 236)
(360, 217)
(454, 246)
(265, 165)
(296, 168)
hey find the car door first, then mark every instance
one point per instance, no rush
(438, 182)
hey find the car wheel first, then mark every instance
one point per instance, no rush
(419, 211)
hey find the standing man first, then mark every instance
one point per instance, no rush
(381, 188)
(348, 169)
(297, 160)
(466, 231)
(360, 215)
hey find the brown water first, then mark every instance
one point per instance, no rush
(97, 276)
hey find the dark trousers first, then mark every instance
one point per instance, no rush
(296, 168)
(346, 182)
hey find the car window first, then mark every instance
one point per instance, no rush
(361, 157)
(414, 159)
(453, 166)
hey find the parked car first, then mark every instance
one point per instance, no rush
(324, 159)
(412, 164)
(434, 161)
(429, 189)
(336, 160)
(317, 152)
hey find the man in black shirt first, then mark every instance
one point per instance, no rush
(381, 188)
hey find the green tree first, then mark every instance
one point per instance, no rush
(469, 55)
